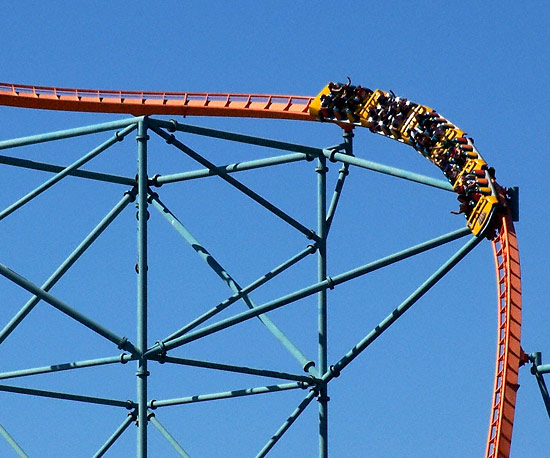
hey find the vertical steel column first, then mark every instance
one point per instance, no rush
(142, 216)
(322, 301)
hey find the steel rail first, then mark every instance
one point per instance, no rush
(140, 103)
(505, 249)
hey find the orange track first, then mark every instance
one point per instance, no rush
(505, 248)
(159, 103)
(297, 108)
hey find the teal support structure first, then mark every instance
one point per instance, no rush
(170, 139)
(311, 379)
(122, 342)
(401, 309)
(287, 424)
(68, 263)
(310, 249)
(142, 266)
(236, 369)
(322, 302)
(154, 404)
(171, 440)
(159, 180)
(130, 418)
(70, 133)
(123, 358)
(119, 136)
(538, 369)
(46, 167)
(11, 441)
(330, 282)
(305, 362)
(68, 396)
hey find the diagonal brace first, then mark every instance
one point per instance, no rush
(119, 136)
(248, 289)
(230, 281)
(287, 424)
(177, 447)
(129, 196)
(401, 309)
(11, 441)
(122, 342)
(310, 290)
(46, 167)
(114, 437)
(170, 139)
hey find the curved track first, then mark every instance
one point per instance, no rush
(505, 244)
(505, 248)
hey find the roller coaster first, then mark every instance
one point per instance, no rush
(489, 209)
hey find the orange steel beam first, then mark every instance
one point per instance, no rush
(138, 103)
(505, 248)
(160, 103)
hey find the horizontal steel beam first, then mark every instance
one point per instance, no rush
(159, 180)
(236, 369)
(227, 395)
(122, 359)
(46, 167)
(173, 126)
(68, 396)
(388, 170)
(68, 133)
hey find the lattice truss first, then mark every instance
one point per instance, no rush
(188, 324)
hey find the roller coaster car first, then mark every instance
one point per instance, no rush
(371, 103)
(315, 105)
(412, 122)
(481, 215)
(335, 106)
(394, 117)
(477, 167)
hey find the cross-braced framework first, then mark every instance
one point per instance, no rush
(317, 372)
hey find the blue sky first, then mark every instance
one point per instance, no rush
(424, 388)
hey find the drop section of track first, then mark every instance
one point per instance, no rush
(505, 248)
